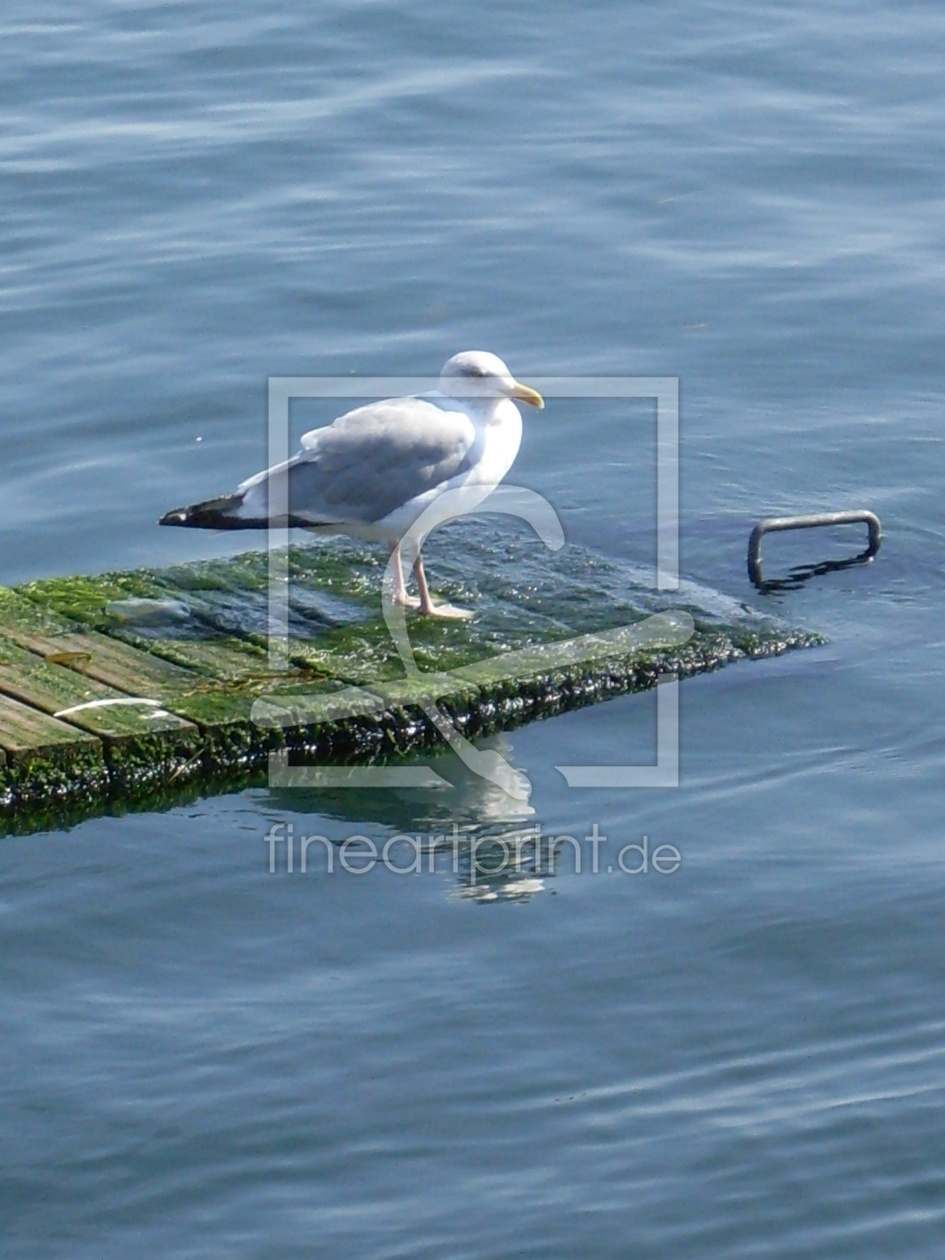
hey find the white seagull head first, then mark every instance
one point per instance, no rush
(478, 374)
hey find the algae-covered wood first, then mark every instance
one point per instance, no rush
(27, 734)
(164, 676)
(55, 683)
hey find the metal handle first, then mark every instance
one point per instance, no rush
(773, 524)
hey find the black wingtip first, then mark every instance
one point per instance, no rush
(218, 513)
(177, 517)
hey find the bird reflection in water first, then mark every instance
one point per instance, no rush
(474, 831)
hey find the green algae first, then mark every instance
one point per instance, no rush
(549, 633)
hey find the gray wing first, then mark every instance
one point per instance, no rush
(369, 462)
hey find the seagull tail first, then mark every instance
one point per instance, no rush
(221, 513)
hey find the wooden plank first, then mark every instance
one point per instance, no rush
(208, 703)
(108, 661)
(26, 733)
(205, 644)
(224, 659)
(39, 628)
(111, 662)
(54, 687)
(224, 640)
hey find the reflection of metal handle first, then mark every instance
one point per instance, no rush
(773, 524)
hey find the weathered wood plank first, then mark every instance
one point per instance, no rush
(48, 762)
(186, 694)
(190, 698)
(55, 686)
(42, 629)
(201, 642)
(26, 732)
(107, 660)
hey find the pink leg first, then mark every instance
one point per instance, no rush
(426, 603)
(399, 594)
(427, 606)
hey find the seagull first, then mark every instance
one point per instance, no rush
(373, 471)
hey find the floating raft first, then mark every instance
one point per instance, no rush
(138, 689)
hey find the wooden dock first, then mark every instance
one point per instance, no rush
(136, 689)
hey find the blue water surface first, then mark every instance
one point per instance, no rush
(200, 1057)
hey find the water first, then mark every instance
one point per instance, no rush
(743, 1057)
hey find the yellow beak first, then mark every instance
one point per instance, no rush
(522, 393)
